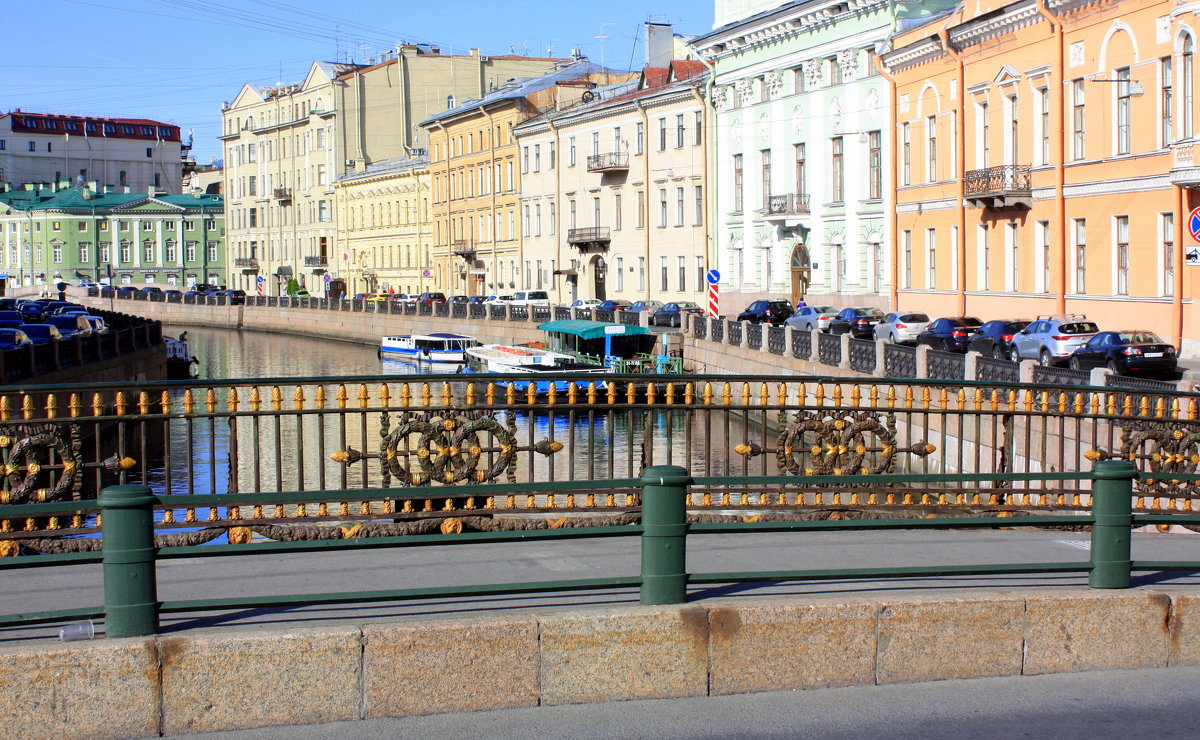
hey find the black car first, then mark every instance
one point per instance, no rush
(950, 333)
(1128, 351)
(152, 289)
(234, 297)
(459, 299)
(994, 338)
(858, 321)
(672, 313)
(614, 304)
(764, 311)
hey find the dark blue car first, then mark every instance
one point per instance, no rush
(614, 304)
(42, 333)
(12, 338)
(672, 313)
(950, 333)
(1130, 351)
(31, 311)
(994, 339)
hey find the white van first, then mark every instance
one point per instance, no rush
(530, 298)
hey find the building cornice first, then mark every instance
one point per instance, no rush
(755, 33)
(918, 52)
(1011, 18)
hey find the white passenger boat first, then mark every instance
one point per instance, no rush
(437, 347)
(500, 358)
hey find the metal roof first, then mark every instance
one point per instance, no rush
(591, 329)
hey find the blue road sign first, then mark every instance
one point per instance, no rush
(714, 277)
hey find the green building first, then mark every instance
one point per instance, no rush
(56, 232)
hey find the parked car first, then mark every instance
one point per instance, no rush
(69, 326)
(586, 302)
(377, 298)
(98, 324)
(614, 304)
(765, 310)
(650, 306)
(950, 333)
(13, 338)
(358, 296)
(858, 321)
(994, 338)
(11, 324)
(11, 316)
(812, 318)
(168, 294)
(460, 299)
(1051, 339)
(498, 300)
(901, 327)
(301, 293)
(31, 311)
(1129, 351)
(152, 289)
(234, 297)
(41, 333)
(476, 299)
(671, 314)
(530, 298)
(432, 297)
(124, 291)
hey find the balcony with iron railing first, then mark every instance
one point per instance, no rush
(1006, 186)
(463, 248)
(609, 162)
(250, 263)
(787, 205)
(589, 237)
(282, 194)
(316, 261)
(1185, 164)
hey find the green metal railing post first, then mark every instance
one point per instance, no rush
(130, 589)
(1112, 510)
(664, 533)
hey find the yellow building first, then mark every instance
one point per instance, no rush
(476, 182)
(384, 226)
(1044, 163)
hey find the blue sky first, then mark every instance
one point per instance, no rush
(176, 60)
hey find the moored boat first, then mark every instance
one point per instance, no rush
(436, 347)
(500, 358)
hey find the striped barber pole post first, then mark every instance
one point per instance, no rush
(258, 284)
(714, 293)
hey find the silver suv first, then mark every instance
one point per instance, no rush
(1051, 339)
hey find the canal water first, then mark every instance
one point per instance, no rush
(293, 453)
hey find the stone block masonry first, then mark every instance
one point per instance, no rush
(223, 679)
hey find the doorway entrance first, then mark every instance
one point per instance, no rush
(599, 276)
(801, 268)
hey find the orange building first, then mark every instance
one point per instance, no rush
(1044, 162)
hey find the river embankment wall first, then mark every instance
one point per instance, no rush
(233, 679)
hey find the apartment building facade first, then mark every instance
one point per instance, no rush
(474, 160)
(613, 200)
(87, 234)
(385, 227)
(1045, 163)
(801, 187)
(286, 146)
(131, 154)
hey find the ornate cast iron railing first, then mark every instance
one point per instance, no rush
(900, 361)
(604, 315)
(1003, 371)
(946, 365)
(786, 204)
(733, 332)
(716, 329)
(829, 349)
(776, 339)
(802, 344)
(862, 355)
(1008, 178)
(754, 336)
(1060, 375)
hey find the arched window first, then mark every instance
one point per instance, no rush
(1186, 83)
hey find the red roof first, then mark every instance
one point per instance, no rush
(120, 128)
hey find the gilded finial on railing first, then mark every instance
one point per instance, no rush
(121, 403)
(298, 398)
(531, 393)
(591, 393)
(342, 396)
(855, 395)
(925, 397)
(189, 402)
(232, 400)
(364, 398)
(385, 395)
(6, 408)
(447, 395)
(552, 393)
(210, 400)
(319, 396)
(51, 406)
(631, 393)
(76, 404)
(707, 393)
(611, 393)
(669, 394)
(573, 394)
(143, 403)
(689, 393)
(426, 395)
(164, 401)
(745, 394)
(727, 394)
(469, 396)
(276, 398)
(489, 394)
(819, 394)
(943, 399)
(510, 393)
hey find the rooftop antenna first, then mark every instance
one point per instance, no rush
(550, 48)
(601, 38)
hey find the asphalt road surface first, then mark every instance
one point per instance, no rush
(80, 586)
(1158, 703)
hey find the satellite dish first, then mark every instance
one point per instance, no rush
(588, 96)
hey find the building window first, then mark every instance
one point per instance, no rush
(551, 218)
(537, 219)
(1122, 233)
(681, 263)
(1043, 103)
(641, 273)
(57, 246)
(874, 166)
(571, 151)
(835, 71)
(1080, 256)
(1166, 100)
(1043, 256)
(1077, 120)
(571, 213)
(171, 253)
(1167, 228)
(147, 251)
(1186, 62)
(620, 267)
(662, 268)
(189, 251)
(737, 183)
(679, 137)
(662, 134)
(697, 134)
(906, 253)
(537, 157)
(801, 172)
(905, 155)
(1014, 257)
(85, 252)
(765, 159)
(33, 146)
(984, 257)
(698, 215)
(837, 190)
(525, 159)
(931, 257)
(617, 212)
(662, 207)
(595, 143)
(640, 143)
(1123, 111)
(931, 147)
(679, 206)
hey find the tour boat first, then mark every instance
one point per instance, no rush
(179, 359)
(437, 347)
(500, 358)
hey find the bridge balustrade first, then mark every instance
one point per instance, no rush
(862, 355)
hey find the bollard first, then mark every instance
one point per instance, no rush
(664, 533)
(1112, 510)
(130, 590)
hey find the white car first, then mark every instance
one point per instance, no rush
(901, 327)
(530, 298)
(586, 302)
(812, 318)
(497, 300)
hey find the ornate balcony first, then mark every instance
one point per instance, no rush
(591, 238)
(1006, 186)
(282, 194)
(610, 162)
(316, 261)
(786, 207)
(464, 249)
(1185, 164)
(247, 263)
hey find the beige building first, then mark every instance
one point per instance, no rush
(385, 228)
(613, 192)
(286, 146)
(474, 160)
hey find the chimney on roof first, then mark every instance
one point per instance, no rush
(660, 42)
(474, 52)
(91, 185)
(29, 187)
(64, 183)
(108, 188)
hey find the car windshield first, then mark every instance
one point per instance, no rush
(1079, 327)
(687, 304)
(1139, 337)
(916, 317)
(873, 312)
(824, 309)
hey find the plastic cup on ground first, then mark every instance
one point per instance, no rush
(77, 631)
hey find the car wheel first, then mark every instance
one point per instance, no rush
(1112, 365)
(998, 353)
(946, 346)
(890, 339)
(1014, 354)
(1045, 359)
(676, 321)
(1074, 364)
